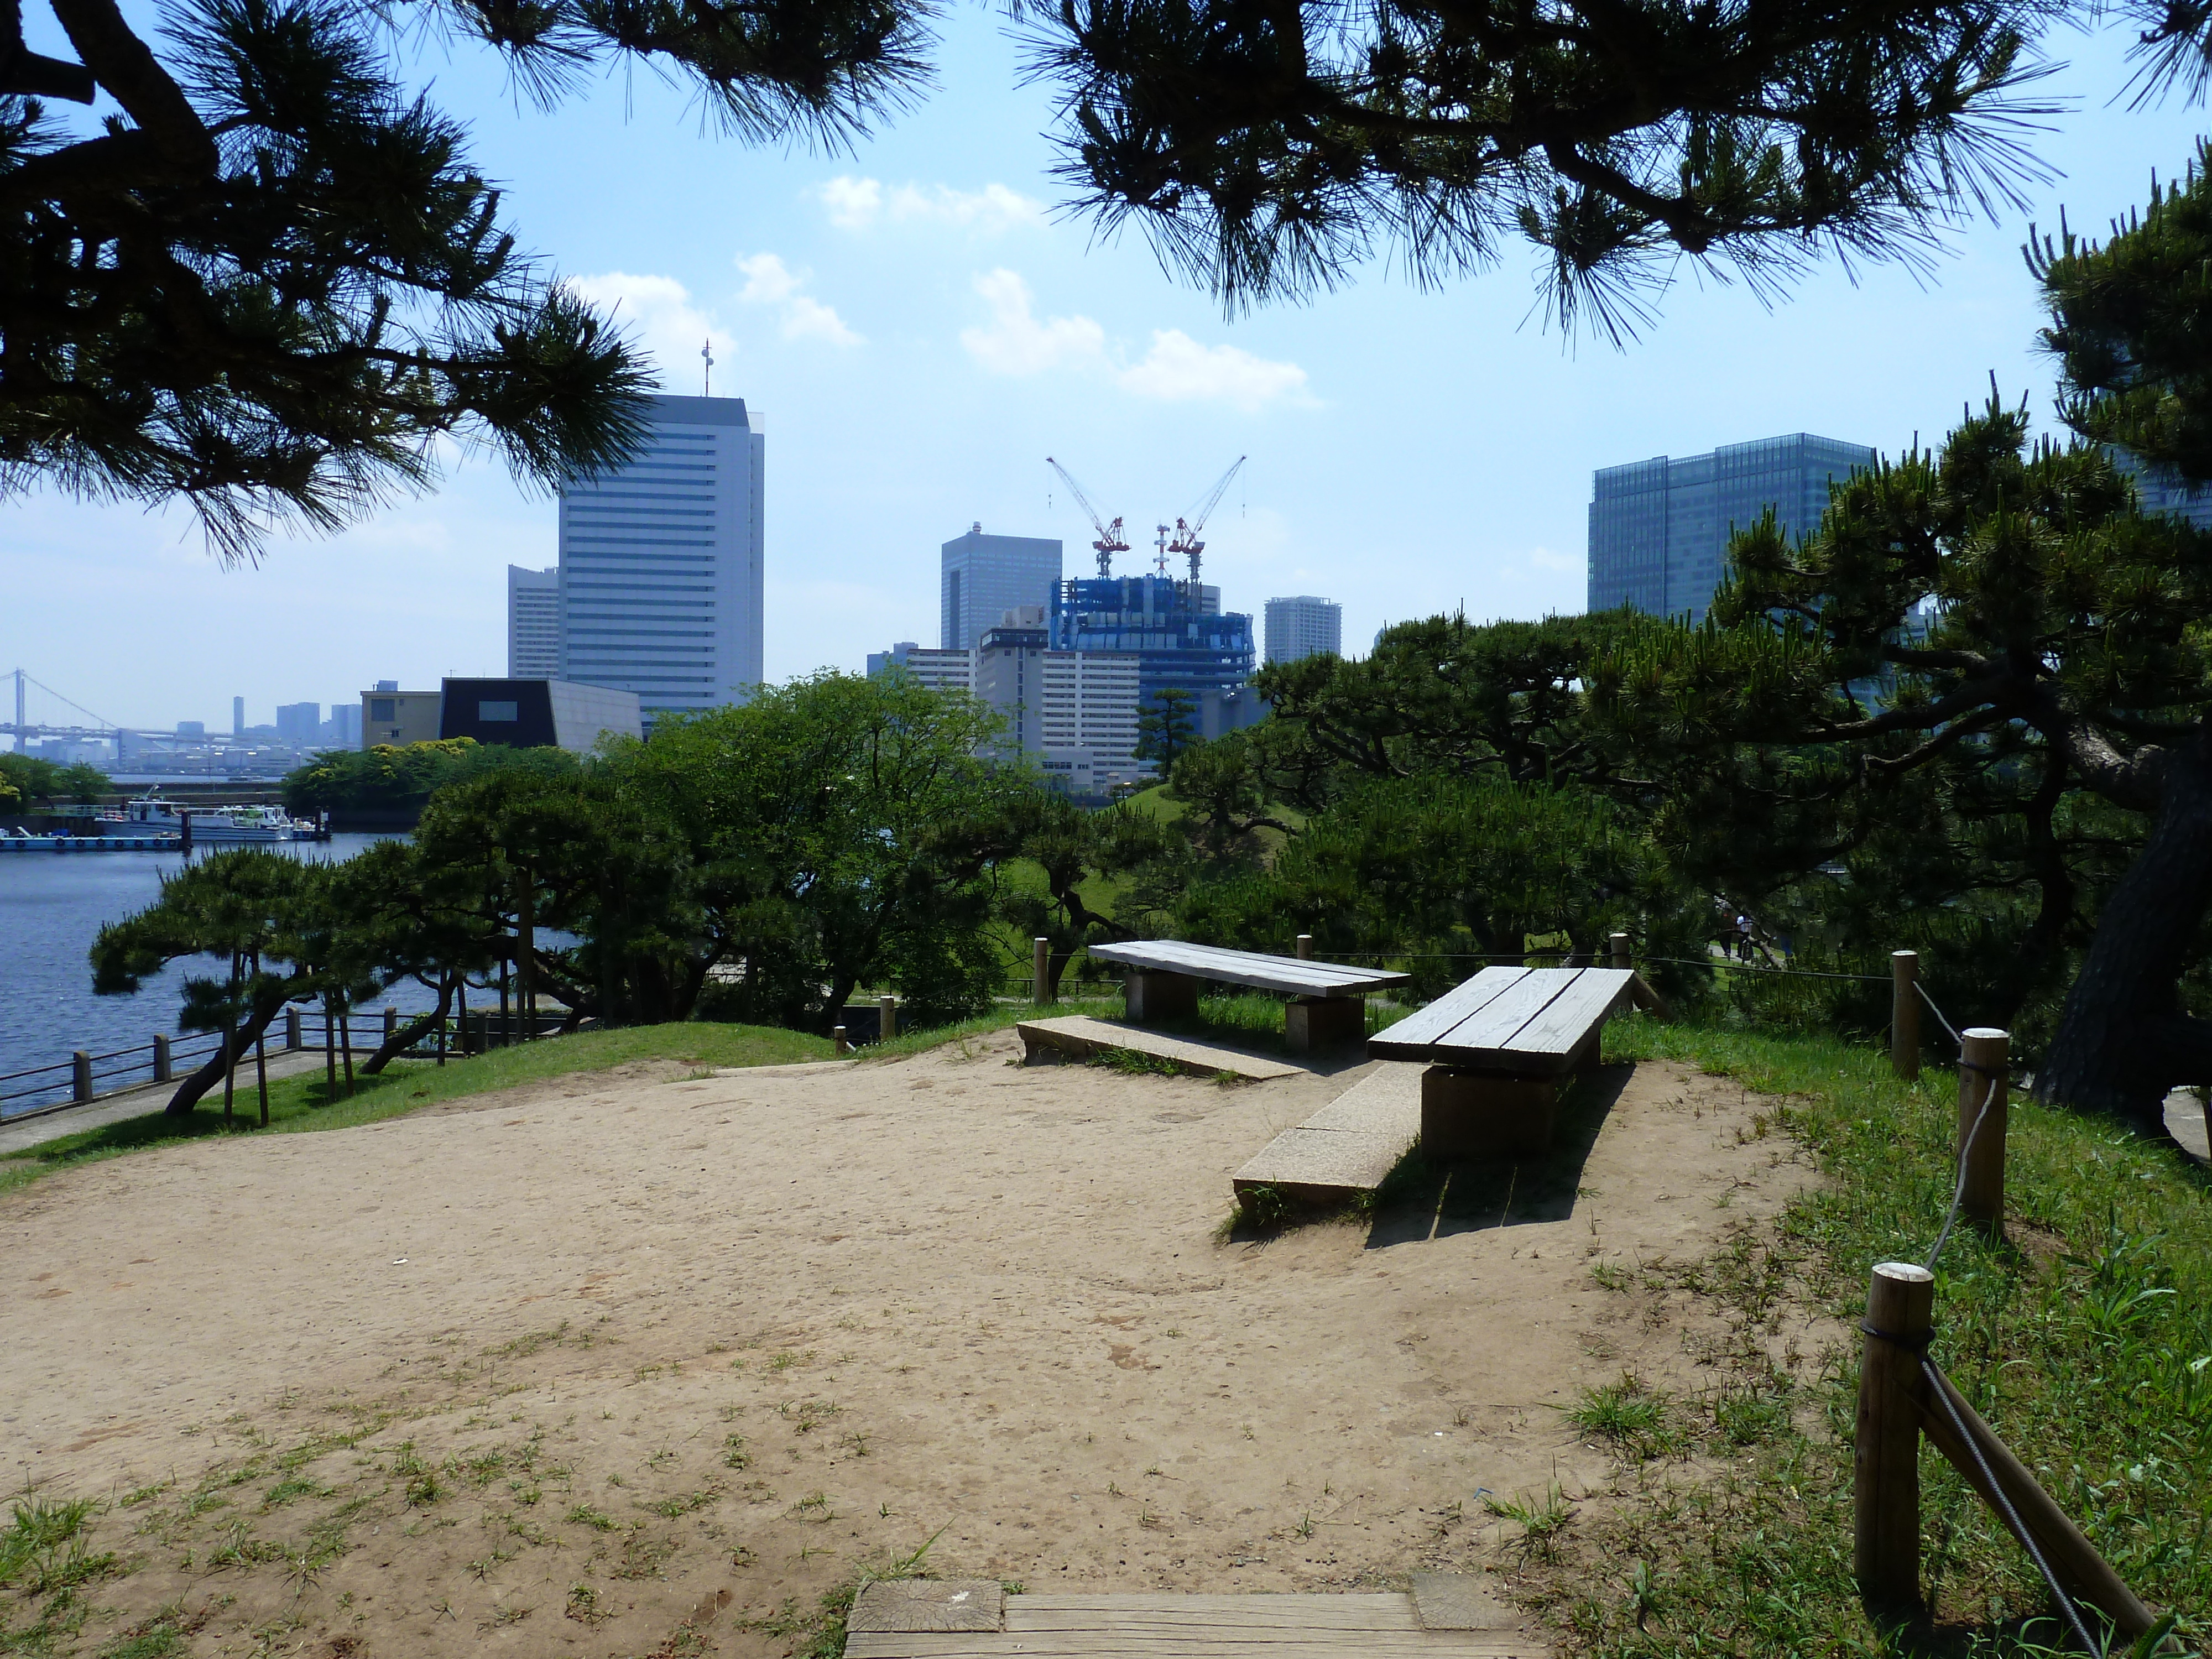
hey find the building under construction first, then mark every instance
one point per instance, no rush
(1175, 625)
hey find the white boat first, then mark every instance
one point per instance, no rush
(216, 825)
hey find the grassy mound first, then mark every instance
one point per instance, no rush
(2084, 1336)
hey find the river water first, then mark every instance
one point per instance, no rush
(52, 906)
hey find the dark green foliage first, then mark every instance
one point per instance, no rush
(1444, 872)
(269, 284)
(399, 778)
(1270, 152)
(1446, 695)
(1167, 724)
(1980, 669)
(2127, 326)
(269, 919)
(836, 832)
(26, 781)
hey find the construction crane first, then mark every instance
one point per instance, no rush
(1186, 540)
(1110, 540)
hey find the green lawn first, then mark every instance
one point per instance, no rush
(2084, 1337)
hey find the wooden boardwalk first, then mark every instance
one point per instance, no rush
(972, 1619)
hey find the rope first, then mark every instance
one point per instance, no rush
(1958, 1193)
(2019, 1529)
(1954, 1037)
(1748, 968)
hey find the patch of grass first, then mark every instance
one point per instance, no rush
(2084, 1335)
(584, 1515)
(1541, 1519)
(1001, 1017)
(46, 1545)
(302, 1101)
(820, 1632)
(1635, 1420)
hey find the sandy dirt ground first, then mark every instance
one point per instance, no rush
(624, 1365)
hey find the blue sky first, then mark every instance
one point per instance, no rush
(921, 330)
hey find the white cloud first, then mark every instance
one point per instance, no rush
(1175, 369)
(657, 313)
(857, 204)
(770, 282)
(1018, 343)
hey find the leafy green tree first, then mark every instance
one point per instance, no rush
(399, 779)
(266, 917)
(1167, 724)
(1445, 696)
(26, 779)
(1444, 872)
(839, 831)
(2035, 634)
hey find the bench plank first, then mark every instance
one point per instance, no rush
(1500, 1020)
(1286, 974)
(1425, 1025)
(1523, 1022)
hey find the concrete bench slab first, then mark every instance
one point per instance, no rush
(1346, 1148)
(1082, 1036)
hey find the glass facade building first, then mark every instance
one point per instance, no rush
(661, 562)
(1180, 635)
(1659, 529)
(983, 577)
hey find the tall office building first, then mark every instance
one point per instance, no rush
(1659, 529)
(661, 562)
(1304, 627)
(2162, 492)
(986, 576)
(533, 623)
(299, 724)
(1074, 713)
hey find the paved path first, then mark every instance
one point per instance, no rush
(29, 1128)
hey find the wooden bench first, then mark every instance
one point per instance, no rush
(1499, 1048)
(1330, 1003)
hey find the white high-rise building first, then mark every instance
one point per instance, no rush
(983, 577)
(661, 562)
(533, 623)
(1304, 627)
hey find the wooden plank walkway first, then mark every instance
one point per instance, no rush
(1347, 1147)
(1286, 974)
(1082, 1036)
(1523, 1022)
(1156, 1626)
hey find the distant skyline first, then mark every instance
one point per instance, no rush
(921, 329)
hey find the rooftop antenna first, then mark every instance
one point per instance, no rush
(707, 356)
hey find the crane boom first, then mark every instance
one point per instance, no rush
(1186, 540)
(1110, 540)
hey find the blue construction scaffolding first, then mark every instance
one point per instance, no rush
(1182, 638)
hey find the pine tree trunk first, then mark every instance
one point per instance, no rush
(2122, 1042)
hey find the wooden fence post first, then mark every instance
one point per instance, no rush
(162, 1064)
(391, 1022)
(1306, 947)
(291, 1029)
(1886, 1453)
(81, 1075)
(1904, 1013)
(1041, 971)
(1620, 957)
(886, 1018)
(837, 1038)
(1985, 1054)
